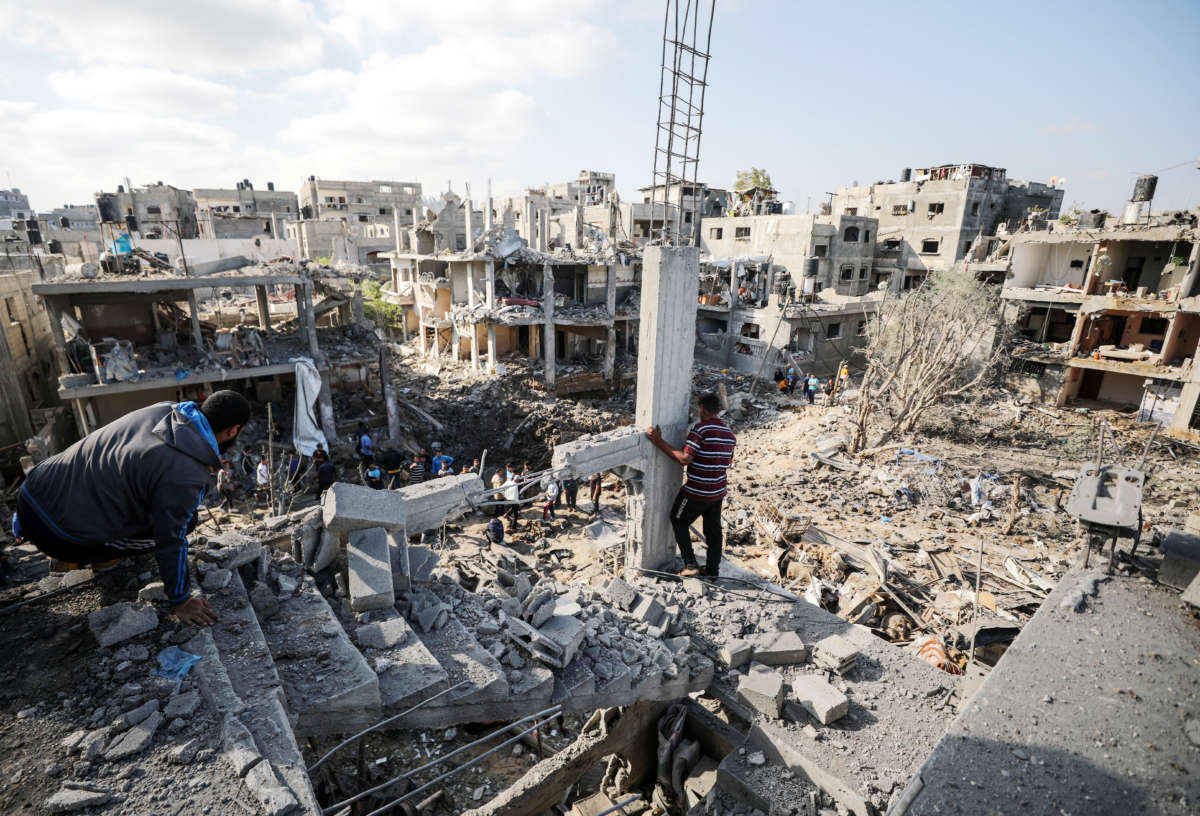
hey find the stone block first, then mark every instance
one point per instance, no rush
(734, 653)
(820, 699)
(778, 648)
(620, 594)
(350, 507)
(382, 634)
(327, 551)
(597, 453)
(369, 565)
(762, 690)
(136, 739)
(238, 745)
(648, 610)
(276, 799)
(69, 800)
(182, 706)
(138, 714)
(121, 621)
(565, 632)
(1191, 595)
(835, 654)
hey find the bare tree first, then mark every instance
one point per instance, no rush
(940, 341)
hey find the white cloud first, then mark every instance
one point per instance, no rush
(162, 91)
(213, 37)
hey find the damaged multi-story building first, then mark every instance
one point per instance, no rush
(155, 211)
(352, 221)
(243, 212)
(937, 217)
(1106, 312)
(781, 289)
(574, 307)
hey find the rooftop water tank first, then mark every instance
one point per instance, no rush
(1143, 188)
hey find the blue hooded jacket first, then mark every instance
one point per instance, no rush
(136, 483)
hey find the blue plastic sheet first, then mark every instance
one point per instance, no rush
(174, 663)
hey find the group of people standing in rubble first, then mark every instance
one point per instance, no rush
(810, 384)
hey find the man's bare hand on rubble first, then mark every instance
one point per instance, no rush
(195, 611)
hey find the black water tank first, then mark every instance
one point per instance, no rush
(64, 222)
(271, 186)
(1143, 188)
(906, 174)
(1092, 219)
(812, 266)
(106, 203)
(131, 222)
(55, 247)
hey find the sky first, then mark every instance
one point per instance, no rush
(524, 92)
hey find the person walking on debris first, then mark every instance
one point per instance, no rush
(810, 387)
(571, 492)
(373, 476)
(595, 485)
(365, 447)
(706, 455)
(263, 477)
(326, 475)
(512, 494)
(393, 466)
(225, 485)
(133, 487)
(416, 471)
(498, 495)
(552, 491)
(494, 532)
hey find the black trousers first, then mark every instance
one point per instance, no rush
(686, 510)
(37, 532)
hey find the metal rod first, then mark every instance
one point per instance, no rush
(1100, 449)
(379, 725)
(978, 582)
(464, 766)
(620, 805)
(1149, 442)
(332, 808)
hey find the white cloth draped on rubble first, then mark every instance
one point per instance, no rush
(305, 433)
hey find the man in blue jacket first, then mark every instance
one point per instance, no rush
(134, 487)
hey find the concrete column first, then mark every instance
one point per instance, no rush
(81, 423)
(325, 403)
(311, 323)
(610, 343)
(1193, 274)
(488, 217)
(297, 291)
(389, 392)
(468, 226)
(670, 280)
(471, 301)
(489, 283)
(491, 341)
(396, 230)
(264, 309)
(544, 229)
(194, 313)
(548, 310)
(54, 310)
(274, 225)
(527, 222)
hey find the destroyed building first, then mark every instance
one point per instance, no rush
(572, 309)
(243, 212)
(690, 203)
(1107, 312)
(81, 217)
(155, 211)
(779, 290)
(940, 216)
(358, 202)
(27, 373)
(125, 340)
(14, 204)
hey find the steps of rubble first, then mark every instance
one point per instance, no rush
(238, 679)
(408, 672)
(330, 688)
(771, 787)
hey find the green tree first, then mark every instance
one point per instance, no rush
(754, 177)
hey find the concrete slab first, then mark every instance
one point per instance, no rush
(407, 672)
(349, 507)
(762, 690)
(119, 622)
(369, 563)
(735, 652)
(1191, 595)
(835, 653)
(1065, 721)
(428, 504)
(778, 648)
(329, 686)
(597, 453)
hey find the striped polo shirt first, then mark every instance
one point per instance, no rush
(711, 443)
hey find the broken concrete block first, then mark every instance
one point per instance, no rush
(428, 504)
(835, 654)
(648, 610)
(263, 600)
(76, 577)
(566, 633)
(69, 800)
(820, 699)
(136, 739)
(327, 551)
(762, 690)
(138, 714)
(184, 754)
(370, 569)
(182, 706)
(620, 594)
(262, 782)
(349, 507)
(421, 562)
(152, 592)
(778, 648)
(382, 634)
(734, 653)
(216, 580)
(596, 453)
(121, 621)
(238, 745)
(1191, 595)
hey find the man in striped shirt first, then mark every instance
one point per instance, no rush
(706, 454)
